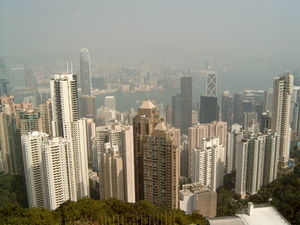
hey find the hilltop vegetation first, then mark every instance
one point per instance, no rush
(96, 212)
(12, 190)
(283, 193)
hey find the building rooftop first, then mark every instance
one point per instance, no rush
(160, 126)
(147, 104)
(263, 216)
(229, 220)
(255, 215)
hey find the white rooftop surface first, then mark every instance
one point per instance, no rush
(260, 216)
(264, 216)
(226, 221)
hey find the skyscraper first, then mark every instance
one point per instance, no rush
(3, 87)
(161, 166)
(268, 101)
(209, 110)
(250, 165)
(186, 91)
(64, 95)
(265, 122)
(85, 72)
(65, 124)
(143, 125)
(211, 83)
(87, 106)
(116, 159)
(227, 108)
(112, 176)
(10, 146)
(256, 162)
(237, 109)
(28, 121)
(233, 137)
(80, 154)
(199, 132)
(176, 110)
(208, 163)
(46, 117)
(110, 102)
(271, 157)
(282, 91)
(30, 79)
(45, 170)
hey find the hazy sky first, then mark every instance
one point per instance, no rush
(40, 30)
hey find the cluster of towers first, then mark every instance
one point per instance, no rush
(60, 145)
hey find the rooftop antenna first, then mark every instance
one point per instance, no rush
(67, 67)
(71, 67)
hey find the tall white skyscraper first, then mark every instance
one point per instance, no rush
(233, 138)
(85, 72)
(115, 142)
(271, 157)
(256, 162)
(55, 164)
(282, 91)
(199, 132)
(33, 168)
(250, 165)
(80, 151)
(45, 167)
(66, 124)
(64, 95)
(208, 164)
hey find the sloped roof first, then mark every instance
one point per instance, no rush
(160, 126)
(147, 104)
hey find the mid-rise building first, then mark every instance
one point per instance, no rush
(198, 198)
(252, 215)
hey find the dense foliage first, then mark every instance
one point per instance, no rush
(284, 194)
(12, 190)
(89, 211)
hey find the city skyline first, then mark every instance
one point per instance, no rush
(154, 112)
